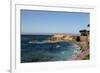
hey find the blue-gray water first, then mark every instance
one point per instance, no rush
(46, 51)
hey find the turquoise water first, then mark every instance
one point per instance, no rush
(30, 52)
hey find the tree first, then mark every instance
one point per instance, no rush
(84, 32)
(88, 25)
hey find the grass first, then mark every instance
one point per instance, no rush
(87, 57)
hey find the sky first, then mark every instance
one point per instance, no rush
(48, 22)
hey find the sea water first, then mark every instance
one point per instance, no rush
(34, 52)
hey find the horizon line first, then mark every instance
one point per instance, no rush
(48, 33)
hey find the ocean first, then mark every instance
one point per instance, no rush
(45, 52)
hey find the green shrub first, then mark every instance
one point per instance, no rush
(87, 57)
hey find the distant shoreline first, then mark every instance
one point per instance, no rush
(53, 34)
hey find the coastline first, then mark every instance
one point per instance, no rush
(81, 46)
(81, 55)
